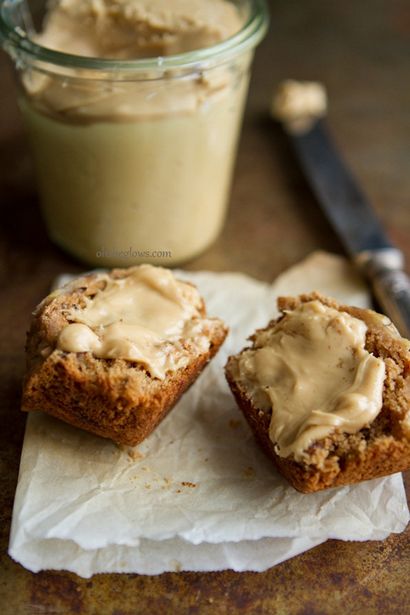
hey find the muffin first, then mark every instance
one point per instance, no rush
(326, 388)
(113, 352)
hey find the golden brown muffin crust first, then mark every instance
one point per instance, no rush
(379, 449)
(113, 398)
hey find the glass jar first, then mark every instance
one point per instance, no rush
(133, 158)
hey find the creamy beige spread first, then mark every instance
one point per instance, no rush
(299, 103)
(148, 317)
(136, 161)
(313, 370)
(131, 29)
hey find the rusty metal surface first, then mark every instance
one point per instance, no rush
(361, 51)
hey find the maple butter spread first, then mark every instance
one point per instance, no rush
(148, 317)
(313, 370)
(131, 29)
(121, 142)
(298, 104)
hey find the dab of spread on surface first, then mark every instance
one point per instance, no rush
(132, 29)
(313, 370)
(147, 317)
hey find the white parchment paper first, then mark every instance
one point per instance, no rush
(200, 495)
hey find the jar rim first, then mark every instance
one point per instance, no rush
(19, 45)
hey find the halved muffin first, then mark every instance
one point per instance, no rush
(113, 352)
(326, 390)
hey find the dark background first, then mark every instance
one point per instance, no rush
(361, 51)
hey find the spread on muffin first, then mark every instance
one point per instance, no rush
(314, 371)
(147, 317)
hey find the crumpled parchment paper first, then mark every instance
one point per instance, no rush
(200, 495)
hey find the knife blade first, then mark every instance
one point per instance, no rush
(345, 205)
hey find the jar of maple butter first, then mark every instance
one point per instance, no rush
(133, 110)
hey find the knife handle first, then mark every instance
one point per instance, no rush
(391, 285)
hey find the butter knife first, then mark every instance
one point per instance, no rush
(301, 107)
